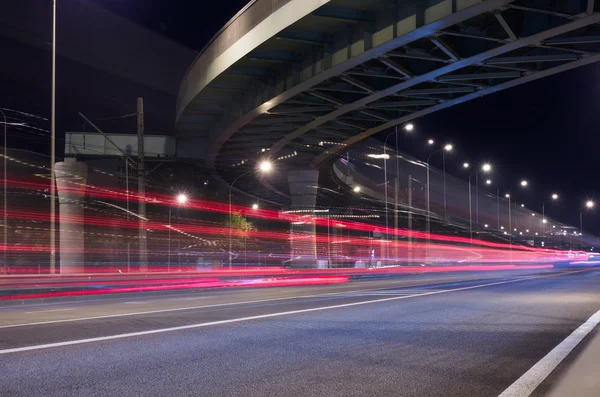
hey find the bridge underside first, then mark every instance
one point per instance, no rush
(350, 69)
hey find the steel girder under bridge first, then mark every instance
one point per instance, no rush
(303, 80)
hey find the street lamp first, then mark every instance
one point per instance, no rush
(553, 196)
(465, 165)
(408, 127)
(524, 183)
(181, 199)
(255, 206)
(356, 189)
(265, 166)
(486, 167)
(446, 148)
(488, 182)
(589, 204)
(431, 142)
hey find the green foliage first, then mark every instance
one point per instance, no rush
(239, 222)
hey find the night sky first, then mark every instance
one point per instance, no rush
(544, 131)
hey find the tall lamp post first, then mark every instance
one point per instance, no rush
(5, 235)
(523, 183)
(53, 148)
(181, 199)
(588, 206)
(265, 166)
(409, 128)
(554, 197)
(446, 148)
(484, 168)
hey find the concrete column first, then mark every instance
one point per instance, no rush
(303, 192)
(71, 179)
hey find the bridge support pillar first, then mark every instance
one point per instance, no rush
(303, 191)
(71, 178)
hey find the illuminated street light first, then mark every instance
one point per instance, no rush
(254, 206)
(544, 221)
(554, 196)
(532, 214)
(448, 148)
(522, 205)
(524, 183)
(488, 182)
(507, 195)
(486, 167)
(431, 141)
(182, 198)
(409, 127)
(486, 225)
(526, 230)
(501, 227)
(465, 165)
(356, 189)
(266, 166)
(590, 204)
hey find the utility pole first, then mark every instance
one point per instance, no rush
(53, 149)
(410, 212)
(396, 218)
(141, 170)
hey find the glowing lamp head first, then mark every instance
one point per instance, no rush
(554, 196)
(356, 189)
(182, 199)
(544, 221)
(507, 195)
(409, 127)
(589, 204)
(524, 183)
(486, 167)
(430, 142)
(254, 206)
(522, 205)
(265, 166)
(488, 182)
(448, 148)
(465, 165)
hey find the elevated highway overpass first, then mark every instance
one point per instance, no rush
(301, 81)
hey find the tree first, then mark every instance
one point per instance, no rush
(239, 222)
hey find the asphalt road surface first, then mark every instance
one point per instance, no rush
(469, 334)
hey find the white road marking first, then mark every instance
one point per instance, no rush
(258, 317)
(47, 311)
(531, 379)
(342, 294)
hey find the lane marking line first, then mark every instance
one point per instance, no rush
(258, 317)
(341, 293)
(48, 311)
(531, 379)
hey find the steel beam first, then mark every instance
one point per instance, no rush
(424, 57)
(532, 58)
(469, 36)
(306, 109)
(436, 91)
(504, 24)
(545, 12)
(479, 76)
(572, 40)
(326, 98)
(358, 83)
(375, 115)
(434, 74)
(332, 89)
(400, 104)
(375, 75)
(395, 67)
(465, 98)
(442, 45)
